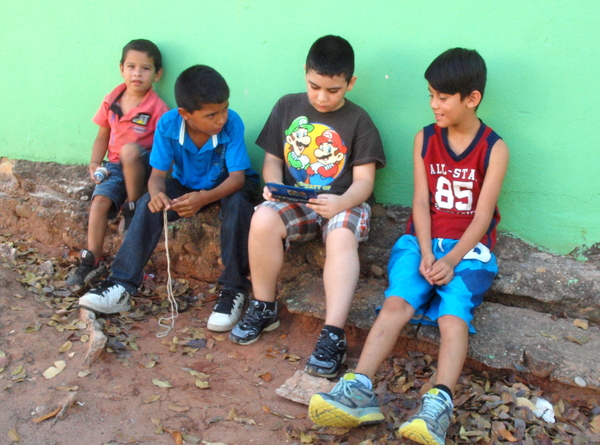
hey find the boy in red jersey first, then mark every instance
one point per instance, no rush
(440, 270)
(127, 119)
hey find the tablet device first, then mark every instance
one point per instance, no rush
(288, 193)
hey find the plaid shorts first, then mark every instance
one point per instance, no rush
(303, 224)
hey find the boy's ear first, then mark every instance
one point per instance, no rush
(474, 99)
(158, 75)
(183, 113)
(351, 83)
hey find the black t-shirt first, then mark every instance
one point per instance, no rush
(320, 149)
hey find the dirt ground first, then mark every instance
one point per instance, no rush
(195, 386)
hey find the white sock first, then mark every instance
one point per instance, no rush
(364, 380)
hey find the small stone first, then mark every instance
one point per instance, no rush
(301, 386)
(377, 271)
(580, 382)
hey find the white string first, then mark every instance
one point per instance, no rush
(173, 303)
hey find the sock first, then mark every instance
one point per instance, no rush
(364, 380)
(334, 330)
(446, 391)
(270, 305)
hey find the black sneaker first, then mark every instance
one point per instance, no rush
(88, 270)
(258, 319)
(128, 210)
(227, 311)
(329, 354)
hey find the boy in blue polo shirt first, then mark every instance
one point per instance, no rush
(202, 144)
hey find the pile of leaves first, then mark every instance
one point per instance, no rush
(489, 408)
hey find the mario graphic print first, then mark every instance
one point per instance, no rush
(315, 154)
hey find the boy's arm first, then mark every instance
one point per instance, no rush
(99, 149)
(190, 203)
(272, 171)
(421, 212)
(363, 180)
(443, 270)
(156, 189)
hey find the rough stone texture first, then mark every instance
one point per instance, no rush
(301, 386)
(526, 324)
(97, 341)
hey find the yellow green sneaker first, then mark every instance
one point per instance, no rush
(431, 422)
(349, 404)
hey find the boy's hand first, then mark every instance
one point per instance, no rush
(268, 195)
(189, 204)
(92, 169)
(159, 202)
(441, 272)
(427, 261)
(326, 205)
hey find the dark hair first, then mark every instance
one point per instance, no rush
(331, 56)
(457, 70)
(200, 84)
(145, 46)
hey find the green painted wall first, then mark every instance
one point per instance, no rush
(61, 57)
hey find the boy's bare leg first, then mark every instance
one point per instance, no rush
(394, 315)
(97, 223)
(340, 275)
(454, 334)
(265, 252)
(133, 171)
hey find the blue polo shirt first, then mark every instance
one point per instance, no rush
(199, 168)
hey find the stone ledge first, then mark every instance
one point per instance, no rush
(519, 325)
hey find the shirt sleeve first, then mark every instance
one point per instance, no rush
(236, 155)
(269, 138)
(101, 116)
(368, 145)
(161, 156)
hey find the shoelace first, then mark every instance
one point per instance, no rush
(83, 270)
(343, 386)
(252, 317)
(105, 287)
(225, 302)
(326, 346)
(431, 406)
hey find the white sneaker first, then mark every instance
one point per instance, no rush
(227, 311)
(108, 298)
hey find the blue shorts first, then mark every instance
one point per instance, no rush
(113, 187)
(472, 278)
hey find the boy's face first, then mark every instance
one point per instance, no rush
(450, 109)
(209, 120)
(139, 72)
(326, 94)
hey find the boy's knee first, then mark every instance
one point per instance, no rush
(340, 238)
(130, 153)
(266, 220)
(451, 323)
(395, 305)
(102, 202)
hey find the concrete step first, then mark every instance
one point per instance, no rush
(508, 339)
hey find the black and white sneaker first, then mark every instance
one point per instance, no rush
(88, 270)
(329, 354)
(108, 298)
(258, 319)
(227, 311)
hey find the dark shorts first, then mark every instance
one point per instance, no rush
(113, 187)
